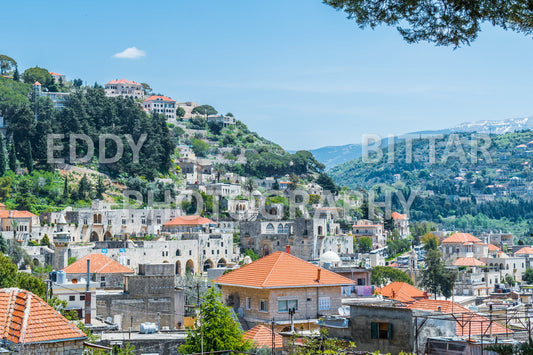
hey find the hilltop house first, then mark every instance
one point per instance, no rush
(30, 326)
(269, 287)
(161, 104)
(124, 88)
(401, 223)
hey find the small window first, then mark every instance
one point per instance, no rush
(72, 298)
(285, 305)
(248, 303)
(381, 330)
(263, 306)
(82, 297)
(324, 304)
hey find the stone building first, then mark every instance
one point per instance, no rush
(161, 104)
(308, 238)
(269, 287)
(150, 296)
(124, 88)
(30, 326)
(108, 272)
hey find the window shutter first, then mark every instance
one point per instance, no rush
(374, 329)
(389, 333)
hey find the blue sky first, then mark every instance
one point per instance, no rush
(297, 72)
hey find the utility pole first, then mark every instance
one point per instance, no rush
(273, 337)
(200, 317)
(48, 284)
(291, 314)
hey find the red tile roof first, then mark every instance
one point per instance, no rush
(281, 270)
(37, 83)
(262, 336)
(525, 250)
(56, 74)
(402, 291)
(396, 215)
(468, 322)
(468, 262)
(16, 214)
(461, 238)
(100, 264)
(25, 318)
(160, 98)
(189, 221)
(122, 81)
(493, 247)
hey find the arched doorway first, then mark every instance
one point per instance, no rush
(94, 237)
(178, 268)
(208, 264)
(221, 263)
(189, 267)
(108, 235)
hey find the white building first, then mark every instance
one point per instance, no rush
(124, 88)
(161, 104)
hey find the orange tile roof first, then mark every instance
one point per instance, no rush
(25, 318)
(461, 238)
(396, 215)
(468, 262)
(493, 247)
(468, 322)
(52, 73)
(402, 291)
(162, 98)
(281, 270)
(262, 336)
(37, 83)
(189, 221)
(123, 81)
(16, 214)
(100, 264)
(525, 250)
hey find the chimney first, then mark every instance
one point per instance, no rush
(288, 249)
(318, 275)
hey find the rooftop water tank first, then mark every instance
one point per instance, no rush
(61, 277)
(148, 328)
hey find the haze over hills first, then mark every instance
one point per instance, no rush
(332, 156)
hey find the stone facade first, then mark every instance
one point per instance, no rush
(72, 347)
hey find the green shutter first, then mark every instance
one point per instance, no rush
(389, 335)
(374, 330)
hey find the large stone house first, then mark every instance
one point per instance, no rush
(28, 325)
(269, 287)
(108, 272)
(161, 104)
(124, 88)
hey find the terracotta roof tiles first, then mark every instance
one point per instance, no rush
(25, 318)
(16, 214)
(396, 215)
(525, 250)
(461, 238)
(189, 221)
(402, 291)
(122, 81)
(281, 270)
(468, 262)
(100, 264)
(159, 98)
(262, 336)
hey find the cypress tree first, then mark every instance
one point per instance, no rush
(12, 157)
(2, 156)
(16, 75)
(29, 159)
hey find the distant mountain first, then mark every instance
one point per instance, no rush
(332, 156)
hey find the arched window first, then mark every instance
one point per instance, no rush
(178, 252)
(286, 229)
(270, 228)
(280, 228)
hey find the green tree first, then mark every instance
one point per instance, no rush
(6, 64)
(528, 276)
(12, 157)
(180, 112)
(327, 183)
(217, 328)
(31, 283)
(365, 244)
(383, 275)
(16, 75)
(100, 188)
(8, 272)
(435, 278)
(249, 186)
(43, 76)
(3, 244)
(29, 158)
(430, 241)
(215, 127)
(252, 254)
(45, 240)
(3, 165)
(198, 122)
(206, 110)
(84, 188)
(199, 147)
(25, 198)
(453, 22)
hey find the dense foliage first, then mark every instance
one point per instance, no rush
(382, 275)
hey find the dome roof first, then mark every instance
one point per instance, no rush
(330, 257)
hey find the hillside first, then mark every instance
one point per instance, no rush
(458, 186)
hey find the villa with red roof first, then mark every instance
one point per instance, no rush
(161, 104)
(269, 287)
(188, 224)
(58, 77)
(25, 222)
(108, 272)
(124, 88)
(463, 245)
(30, 326)
(401, 223)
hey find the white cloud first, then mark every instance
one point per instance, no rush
(130, 53)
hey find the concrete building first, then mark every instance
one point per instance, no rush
(224, 120)
(74, 295)
(161, 104)
(30, 326)
(150, 296)
(124, 88)
(366, 228)
(269, 287)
